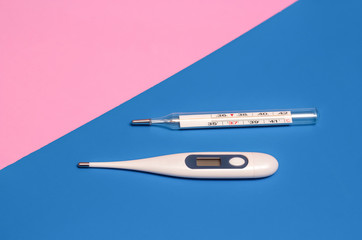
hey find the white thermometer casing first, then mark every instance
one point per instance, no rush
(207, 165)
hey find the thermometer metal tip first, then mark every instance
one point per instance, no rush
(141, 122)
(83, 164)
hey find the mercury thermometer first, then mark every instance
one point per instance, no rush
(234, 119)
(208, 165)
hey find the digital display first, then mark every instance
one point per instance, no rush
(208, 162)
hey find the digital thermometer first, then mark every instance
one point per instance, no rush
(234, 119)
(209, 165)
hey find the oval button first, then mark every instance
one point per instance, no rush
(237, 161)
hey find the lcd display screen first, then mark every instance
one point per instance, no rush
(208, 162)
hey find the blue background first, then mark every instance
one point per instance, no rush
(308, 55)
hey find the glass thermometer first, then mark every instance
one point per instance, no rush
(209, 165)
(234, 119)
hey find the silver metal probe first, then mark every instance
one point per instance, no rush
(83, 164)
(141, 122)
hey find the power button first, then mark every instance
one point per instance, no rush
(237, 161)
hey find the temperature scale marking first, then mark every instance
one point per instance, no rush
(236, 119)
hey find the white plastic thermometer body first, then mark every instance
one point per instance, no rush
(211, 165)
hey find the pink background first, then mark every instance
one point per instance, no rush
(64, 63)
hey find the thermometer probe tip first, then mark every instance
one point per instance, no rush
(83, 164)
(141, 122)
